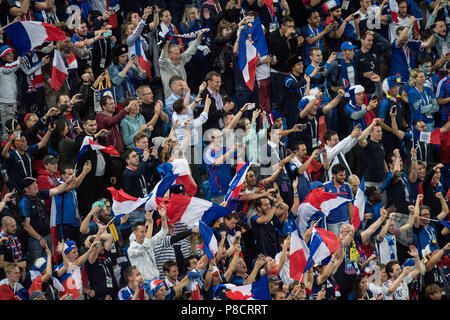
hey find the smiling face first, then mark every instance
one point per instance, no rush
(314, 20)
(166, 17)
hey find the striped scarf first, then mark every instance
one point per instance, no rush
(14, 245)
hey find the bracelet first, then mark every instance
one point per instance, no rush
(331, 261)
(241, 110)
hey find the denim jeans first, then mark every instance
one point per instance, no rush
(35, 249)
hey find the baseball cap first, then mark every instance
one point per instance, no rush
(347, 45)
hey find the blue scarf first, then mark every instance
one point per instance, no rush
(345, 74)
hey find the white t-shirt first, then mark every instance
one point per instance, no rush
(401, 23)
(402, 291)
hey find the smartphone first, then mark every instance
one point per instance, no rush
(322, 150)
(98, 244)
(107, 34)
(394, 108)
(17, 134)
(106, 134)
(320, 69)
(356, 16)
(303, 126)
(251, 106)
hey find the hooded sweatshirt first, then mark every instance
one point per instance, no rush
(8, 81)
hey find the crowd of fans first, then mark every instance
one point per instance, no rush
(348, 92)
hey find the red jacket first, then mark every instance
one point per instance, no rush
(112, 124)
(46, 181)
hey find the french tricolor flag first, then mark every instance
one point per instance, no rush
(123, 203)
(256, 291)
(210, 247)
(59, 71)
(299, 255)
(247, 59)
(317, 200)
(181, 168)
(359, 206)
(89, 143)
(156, 197)
(237, 182)
(27, 35)
(72, 63)
(190, 210)
(322, 244)
(433, 137)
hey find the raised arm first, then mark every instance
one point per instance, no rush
(366, 234)
(444, 212)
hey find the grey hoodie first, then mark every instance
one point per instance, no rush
(8, 82)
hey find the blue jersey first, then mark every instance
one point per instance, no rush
(443, 91)
(349, 109)
(310, 32)
(219, 176)
(340, 214)
(419, 99)
(403, 58)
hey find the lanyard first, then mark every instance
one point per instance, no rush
(23, 165)
(142, 182)
(315, 35)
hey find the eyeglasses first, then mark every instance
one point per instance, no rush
(147, 93)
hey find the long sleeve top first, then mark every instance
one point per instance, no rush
(143, 257)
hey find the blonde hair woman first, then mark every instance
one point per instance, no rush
(422, 100)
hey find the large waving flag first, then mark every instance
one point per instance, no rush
(322, 244)
(359, 206)
(248, 49)
(27, 35)
(181, 168)
(256, 291)
(59, 71)
(89, 143)
(237, 182)
(190, 210)
(258, 38)
(123, 203)
(299, 255)
(247, 60)
(210, 247)
(160, 189)
(317, 200)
